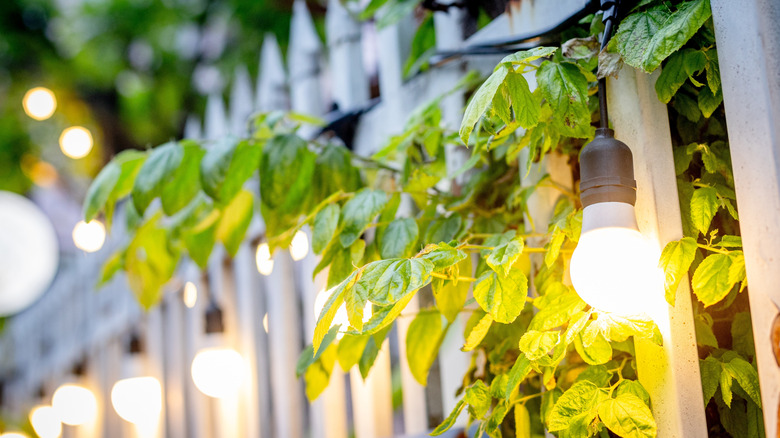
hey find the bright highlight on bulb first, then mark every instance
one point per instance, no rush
(614, 268)
(89, 236)
(74, 404)
(45, 422)
(13, 435)
(218, 372)
(265, 322)
(39, 103)
(190, 295)
(265, 264)
(138, 400)
(299, 247)
(341, 317)
(76, 142)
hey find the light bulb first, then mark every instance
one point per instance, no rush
(299, 246)
(13, 435)
(341, 318)
(190, 295)
(76, 142)
(45, 422)
(218, 372)
(265, 264)
(138, 400)
(74, 404)
(39, 103)
(614, 268)
(89, 236)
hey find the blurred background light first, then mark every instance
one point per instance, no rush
(76, 142)
(299, 247)
(39, 103)
(218, 372)
(45, 422)
(89, 236)
(138, 400)
(265, 264)
(190, 295)
(74, 404)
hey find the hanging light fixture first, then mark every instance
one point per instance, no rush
(74, 403)
(614, 268)
(137, 398)
(217, 370)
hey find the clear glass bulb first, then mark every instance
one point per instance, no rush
(614, 268)
(138, 400)
(74, 404)
(218, 372)
(45, 422)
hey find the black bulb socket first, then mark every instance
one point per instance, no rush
(606, 171)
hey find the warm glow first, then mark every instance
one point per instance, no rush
(76, 142)
(39, 103)
(45, 422)
(341, 317)
(265, 264)
(13, 435)
(218, 372)
(299, 246)
(138, 400)
(615, 269)
(74, 404)
(190, 295)
(89, 236)
(265, 322)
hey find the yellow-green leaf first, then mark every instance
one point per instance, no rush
(235, 221)
(711, 280)
(478, 332)
(535, 344)
(422, 344)
(676, 259)
(502, 257)
(628, 416)
(503, 297)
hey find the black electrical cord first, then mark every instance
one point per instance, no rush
(610, 15)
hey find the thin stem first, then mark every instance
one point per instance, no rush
(712, 249)
(522, 400)
(445, 277)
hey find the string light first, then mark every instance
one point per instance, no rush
(299, 247)
(265, 264)
(190, 295)
(138, 400)
(39, 103)
(45, 422)
(89, 236)
(218, 372)
(74, 404)
(76, 142)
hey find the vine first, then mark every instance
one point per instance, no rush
(391, 226)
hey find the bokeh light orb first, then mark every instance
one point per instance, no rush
(218, 372)
(89, 236)
(45, 422)
(76, 142)
(39, 103)
(74, 404)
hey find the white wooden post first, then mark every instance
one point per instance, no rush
(749, 53)
(155, 351)
(272, 80)
(349, 80)
(197, 404)
(669, 373)
(304, 62)
(241, 102)
(175, 365)
(215, 120)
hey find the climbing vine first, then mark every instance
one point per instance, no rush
(396, 225)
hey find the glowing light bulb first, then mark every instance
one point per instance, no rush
(299, 246)
(39, 103)
(265, 264)
(341, 318)
(614, 268)
(74, 404)
(13, 435)
(76, 142)
(218, 372)
(138, 400)
(190, 295)
(45, 422)
(89, 236)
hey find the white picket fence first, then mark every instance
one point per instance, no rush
(73, 321)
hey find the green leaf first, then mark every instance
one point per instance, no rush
(286, 174)
(628, 416)
(635, 32)
(478, 332)
(746, 375)
(503, 297)
(686, 107)
(450, 420)
(399, 239)
(182, 187)
(358, 213)
(737, 271)
(680, 66)
(525, 57)
(350, 349)
(566, 89)
(526, 105)
(481, 101)
(443, 229)
(522, 422)
(325, 224)
(154, 173)
(200, 239)
(150, 262)
(478, 398)
(709, 102)
(334, 172)
(676, 259)
(730, 242)
(635, 388)
(704, 334)
(111, 267)
(558, 305)
(442, 255)
(742, 335)
(710, 377)
(535, 344)
(451, 295)
(519, 370)
(711, 280)
(308, 356)
(675, 32)
(576, 324)
(577, 403)
(725, 387)
(325, 318)
(704, 205)
(317, 376)
(422, 344)
(503, 257)
(236, 217)
(397, 280)
(598, 352)
(225, 167)
(112, 183)
(618, 328)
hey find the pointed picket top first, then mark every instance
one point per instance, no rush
(241, 102)
(348, 79)
(192, 127)
(339, 24)
(272, 80)
(304, 63)
(304, 41)
(215, 123)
